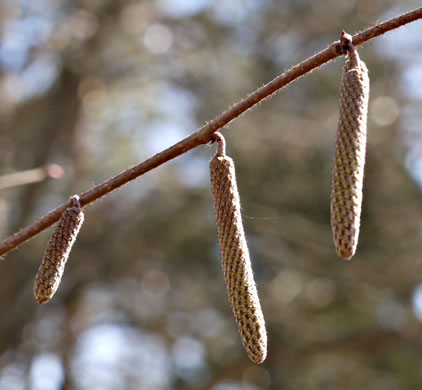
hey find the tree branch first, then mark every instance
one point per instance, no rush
(204, 134)
(53, 171)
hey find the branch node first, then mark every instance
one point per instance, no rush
(348, 48)
(345, 41)
(221, 143)
(75, 199)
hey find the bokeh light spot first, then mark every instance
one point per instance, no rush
(384, 110)
(46, 372)
(155, 284)
(158, 38)
(417, 302)
(320, 292)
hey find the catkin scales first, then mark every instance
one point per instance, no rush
(348, 168)
(57, 252)
(238, 274)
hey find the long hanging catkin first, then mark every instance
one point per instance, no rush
(236, 264)
(347, 176)
(58, 248)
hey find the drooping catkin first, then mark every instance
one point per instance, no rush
(348, 169)
(58, 248)
(237, 268)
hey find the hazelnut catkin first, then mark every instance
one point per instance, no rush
(58, 248)
(237, 269)
(347, 175)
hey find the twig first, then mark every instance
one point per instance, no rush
(204, 134)
(29, 176)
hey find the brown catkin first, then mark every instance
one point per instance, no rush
(347, 176)
(236, 264)
(58, 248)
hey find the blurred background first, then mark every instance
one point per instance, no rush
(96, 86)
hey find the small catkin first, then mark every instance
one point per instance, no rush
(347, 175)
(237, 269)
(58, 248)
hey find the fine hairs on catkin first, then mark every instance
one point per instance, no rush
(57, 252)
(348, 168)
(237, 269)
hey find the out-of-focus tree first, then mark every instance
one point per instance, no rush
(99, 85)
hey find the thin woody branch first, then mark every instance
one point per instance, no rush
(204, 134)
(53, 171)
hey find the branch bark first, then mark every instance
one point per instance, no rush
(205, 133)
